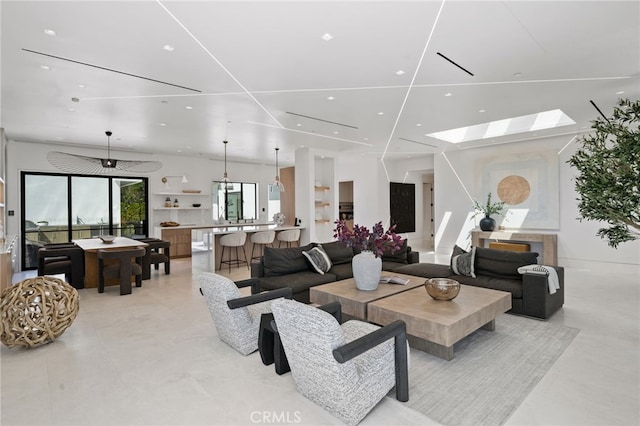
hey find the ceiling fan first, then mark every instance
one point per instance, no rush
(74, 163)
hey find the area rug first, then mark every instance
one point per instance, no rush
(491, 375)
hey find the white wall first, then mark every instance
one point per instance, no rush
(26, 156)
(454, 171)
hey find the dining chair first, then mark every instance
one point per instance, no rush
(122, 264)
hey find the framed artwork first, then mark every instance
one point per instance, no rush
(402, 206)
(527, 183)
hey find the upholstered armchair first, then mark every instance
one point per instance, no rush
(237, 318)
(347, 369)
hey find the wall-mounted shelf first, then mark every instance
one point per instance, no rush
(182, 208)
(322, 188)
(180, 194)
(322, 221)
(322, 204)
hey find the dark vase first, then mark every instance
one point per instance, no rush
(487, 224)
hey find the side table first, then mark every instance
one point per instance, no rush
(270, 346)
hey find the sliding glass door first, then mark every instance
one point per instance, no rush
(60, 208)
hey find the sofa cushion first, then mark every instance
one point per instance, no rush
(399, 256)
(462, 262)
(299, 282)
(502, 263)
(342, 271)
(503, 284)
(318, 259)
(425, 270)
(338, 252)
(283, 261)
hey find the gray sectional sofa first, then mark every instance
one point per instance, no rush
(288, 267)
(498, 270)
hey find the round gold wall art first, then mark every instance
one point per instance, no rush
(514, 190)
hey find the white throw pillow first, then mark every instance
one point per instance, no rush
(319, 259)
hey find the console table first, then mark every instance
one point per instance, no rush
(549, 242)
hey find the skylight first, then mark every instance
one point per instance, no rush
(525, 123)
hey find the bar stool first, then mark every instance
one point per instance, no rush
(289, 236)
(237, 239)
(261, 239)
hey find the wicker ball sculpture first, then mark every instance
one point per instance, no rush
(36, 311)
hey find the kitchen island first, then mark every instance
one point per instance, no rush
(180, 236)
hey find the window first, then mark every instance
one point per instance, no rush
(60, 208)
(235, 201)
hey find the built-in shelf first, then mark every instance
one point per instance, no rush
(322, 204)
(322, 188)
(322, 221)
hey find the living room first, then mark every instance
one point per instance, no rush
(189, 376)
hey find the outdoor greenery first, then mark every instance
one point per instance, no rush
(608, 182)
(132, 205)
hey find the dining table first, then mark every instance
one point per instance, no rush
(90, 246)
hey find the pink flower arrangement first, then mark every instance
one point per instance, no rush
(377, 240)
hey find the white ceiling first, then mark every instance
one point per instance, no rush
(253, 63)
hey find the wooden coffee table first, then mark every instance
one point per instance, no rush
(353, 301)
(434, 326)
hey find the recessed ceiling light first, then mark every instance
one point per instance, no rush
(620, 92)
(399, 72)
(179, 150)
(327, 37)
(163, 124)
(164, 102)
(517, 74)
(481, 110)
(188, 107)
(49, 32)
(82, 86)
(45, 67)
(418, 125)
(447, 94)
(298, 124)
(59, 138)
(330, 98)
(71, 110)
(168, 48)
(366, 139)
(381, 113)
(335, 133)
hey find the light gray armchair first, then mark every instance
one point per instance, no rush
(347, 369)
(237, 318)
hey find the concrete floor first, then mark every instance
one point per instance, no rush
(153, 358)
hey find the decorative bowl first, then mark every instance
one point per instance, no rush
(107, 239)
(196, 204)
(442, 288)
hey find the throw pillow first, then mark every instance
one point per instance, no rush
(284, 261)
(462, 262)
(318, 259)
(338, 252)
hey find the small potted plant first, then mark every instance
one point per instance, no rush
(487, 223)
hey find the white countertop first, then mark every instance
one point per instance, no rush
(229, 228)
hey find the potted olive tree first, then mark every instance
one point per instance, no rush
(608, 180)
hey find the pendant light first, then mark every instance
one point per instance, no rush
(277, 183)
(225, 179)
(74, 163)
